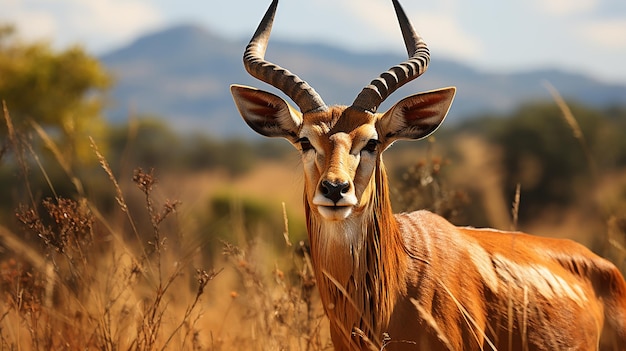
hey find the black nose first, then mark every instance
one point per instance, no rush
(334, 190)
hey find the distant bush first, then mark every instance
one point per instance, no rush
(150, 142)
(542, 152)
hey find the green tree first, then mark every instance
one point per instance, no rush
(558, 163)
(62, 91)
(552, 164)
(146, 142)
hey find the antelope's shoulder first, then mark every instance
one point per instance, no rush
(430, 229)
(422, 220)
(433, 238)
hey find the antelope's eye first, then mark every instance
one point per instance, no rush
(305, 144)
(371, 146)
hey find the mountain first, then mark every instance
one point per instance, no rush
(183, 74)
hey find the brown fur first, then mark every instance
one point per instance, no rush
(373, 274)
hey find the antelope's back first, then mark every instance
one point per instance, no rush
(483, 286)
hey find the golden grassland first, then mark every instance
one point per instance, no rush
(76, 277)
(97, 286)
(204, 261)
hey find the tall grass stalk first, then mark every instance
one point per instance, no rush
(571, 121)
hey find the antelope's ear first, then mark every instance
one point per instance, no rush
(415, 117)
(266, 113)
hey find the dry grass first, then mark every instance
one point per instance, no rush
(92, 280)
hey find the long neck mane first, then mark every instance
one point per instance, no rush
(359, 266)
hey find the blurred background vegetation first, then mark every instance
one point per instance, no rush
(55, 144)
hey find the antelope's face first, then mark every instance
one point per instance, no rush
(339, 153)
(340, 146)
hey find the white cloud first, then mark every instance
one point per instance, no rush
(564, 7)
(31, 25)
(446, 35)
(438, 24)
(116, 17)
(608, 33)
(98, 23)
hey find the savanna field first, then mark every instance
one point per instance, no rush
(138, 237)
(116, 255)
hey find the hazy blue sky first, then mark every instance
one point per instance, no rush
(575, 35)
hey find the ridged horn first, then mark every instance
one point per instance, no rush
(307, 99)
(370, 98)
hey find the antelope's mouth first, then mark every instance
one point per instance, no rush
(335, 213)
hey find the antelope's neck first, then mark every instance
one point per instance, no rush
(359, 265)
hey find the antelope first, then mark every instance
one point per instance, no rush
(414, 281)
